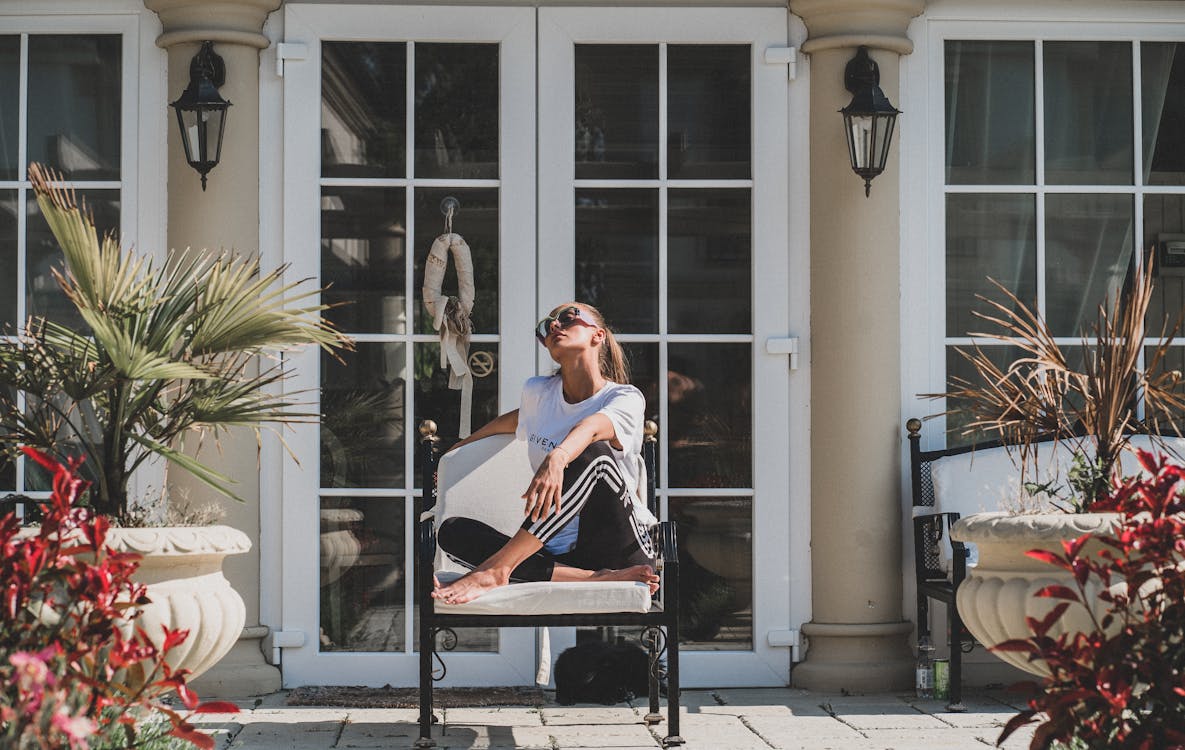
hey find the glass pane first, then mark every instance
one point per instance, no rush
(362, 574)
(711, 424)
(617, 256)
(616, 111)
(436, 401)
(990, 123)
(10, 90)
(958, 367)
(1164, 222)
(1088, 113)
(708, 111)
(363, 239)
(988, 236)
(477, 222)
(1174, 361)
(715, 572)
(9, 206)
(643, 364)
(74, 104)
(456, 122)
(468, 639)
(362, 424)
(1088, 249)
(1163, 95)
(363, 109)
(709, 251)
(43, 295)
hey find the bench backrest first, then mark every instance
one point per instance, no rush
(483, 480)
(968, 480)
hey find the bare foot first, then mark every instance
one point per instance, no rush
(641, 573)
(469, 586)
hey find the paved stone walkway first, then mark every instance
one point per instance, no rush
(751, 719)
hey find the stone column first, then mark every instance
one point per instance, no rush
(225, 215)
(857, 639)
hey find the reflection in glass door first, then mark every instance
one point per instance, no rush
(402, 124)
(650, 195)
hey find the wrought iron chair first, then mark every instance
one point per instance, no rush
(933, 582)
(659, 620)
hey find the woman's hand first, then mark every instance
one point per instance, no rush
(547, 486)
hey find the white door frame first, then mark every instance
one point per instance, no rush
(780, 300)
(514, 29)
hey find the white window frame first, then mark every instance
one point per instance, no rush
(143, 129)
(923, 228)
(297, 485)
(923, 225)
(779, 190)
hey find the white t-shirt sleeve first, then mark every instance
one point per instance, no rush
(528, 407)
(626, 408)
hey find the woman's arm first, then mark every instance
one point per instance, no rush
(547, 486)
(499, 425)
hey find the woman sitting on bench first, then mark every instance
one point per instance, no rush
(584, 519)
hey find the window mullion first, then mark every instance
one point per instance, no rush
(1039, 114)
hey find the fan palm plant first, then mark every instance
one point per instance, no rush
(1094, 407)
(165, 351)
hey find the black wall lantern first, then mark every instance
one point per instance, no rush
(201, 112)
(868, 119)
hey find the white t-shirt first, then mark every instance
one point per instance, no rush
(545, 419)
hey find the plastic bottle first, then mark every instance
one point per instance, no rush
(925, 670)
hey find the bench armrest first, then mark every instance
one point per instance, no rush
(936, 524)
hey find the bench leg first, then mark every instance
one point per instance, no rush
(673, 738)
(652, 636)
(427, 644)
(956, 661)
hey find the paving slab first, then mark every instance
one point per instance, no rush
(612, 735)
(941, 739)
(781, 730)
(287, 736)
(601, 715)
(509, 716)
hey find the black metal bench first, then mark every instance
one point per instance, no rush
(933, 582)
(660, 625)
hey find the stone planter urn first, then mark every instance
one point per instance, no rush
(182, 567)
(998, 593)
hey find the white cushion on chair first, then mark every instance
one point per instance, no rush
(547, 598)
(485, 480)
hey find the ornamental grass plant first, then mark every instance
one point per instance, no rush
(1093, 407)
(165, 351)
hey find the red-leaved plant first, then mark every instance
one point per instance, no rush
(1122, 685)
(75, 668)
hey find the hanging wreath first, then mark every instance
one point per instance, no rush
(450, 315)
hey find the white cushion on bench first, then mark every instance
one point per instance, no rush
(989, 480)
(484, 480)
(554, 599)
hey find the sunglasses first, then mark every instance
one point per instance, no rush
(566, 317)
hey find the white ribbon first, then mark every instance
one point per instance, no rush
(450, 316)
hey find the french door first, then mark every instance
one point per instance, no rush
(631, 158)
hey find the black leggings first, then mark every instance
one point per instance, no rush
(609, 536)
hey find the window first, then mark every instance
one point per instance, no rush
(1062, 157)
(61, 104)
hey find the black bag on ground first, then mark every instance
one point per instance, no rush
(599, 672)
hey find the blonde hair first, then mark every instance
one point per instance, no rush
(612, 360)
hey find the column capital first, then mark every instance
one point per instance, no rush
(879, 24)
(224, 21)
